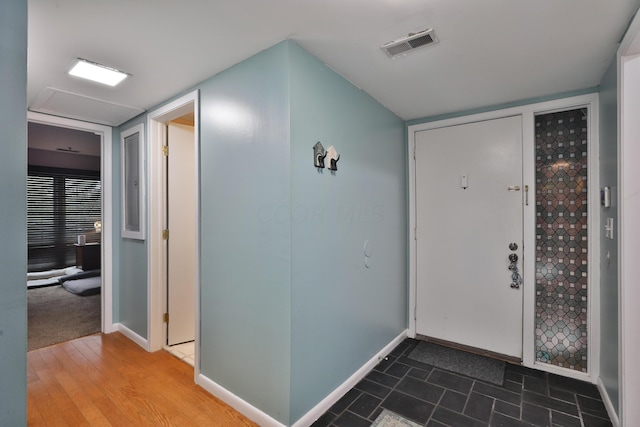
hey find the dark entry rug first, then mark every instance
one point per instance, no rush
(469, 364)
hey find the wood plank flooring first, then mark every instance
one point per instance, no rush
(107, 380)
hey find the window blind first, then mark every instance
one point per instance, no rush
(61, 203)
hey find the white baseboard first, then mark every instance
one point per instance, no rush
(110, 328)
(245, 408)
(608, 404)
(132, 335)
(265, 420)
(322, 407)
(563, 372)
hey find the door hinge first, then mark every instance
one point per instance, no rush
(415, 233)
(414, 151)
(165, 234)
(165, 150)
(165, 317)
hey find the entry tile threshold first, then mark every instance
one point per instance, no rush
(184, 352)
(431, 396)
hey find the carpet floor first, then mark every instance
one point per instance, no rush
(461, 362)
(55, 315)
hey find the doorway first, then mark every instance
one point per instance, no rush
(469, 202)
(528, 114)
(181, 251)
(174, 213)
(105, 226)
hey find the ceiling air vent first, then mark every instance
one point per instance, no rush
(409, 43)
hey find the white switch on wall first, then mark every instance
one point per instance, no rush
(608, 228)
(464, 181)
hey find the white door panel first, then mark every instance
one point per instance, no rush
(463, 290)
(182, 225)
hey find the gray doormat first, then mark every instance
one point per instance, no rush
(469, 364)
(390, 419)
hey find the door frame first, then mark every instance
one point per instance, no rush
(528, 113)
(106, 177)
(157, 286)
(173, 289)
(628, 64)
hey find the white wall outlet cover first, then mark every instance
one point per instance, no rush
(605, 197)
(464, 181)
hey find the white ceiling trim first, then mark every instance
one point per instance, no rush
(72, 105)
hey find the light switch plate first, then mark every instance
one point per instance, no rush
(608, 228)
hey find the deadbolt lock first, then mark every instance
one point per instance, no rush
(513, 258)
(513, 246)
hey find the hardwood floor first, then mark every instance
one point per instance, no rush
(107, 380)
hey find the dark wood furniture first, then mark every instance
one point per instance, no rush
(88, 256)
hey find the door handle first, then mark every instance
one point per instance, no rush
(516, 278)
(513, 188)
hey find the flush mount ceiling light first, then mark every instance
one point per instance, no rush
(410, 42)
(68, 150)
(97, 72)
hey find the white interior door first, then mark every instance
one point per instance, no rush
(464, 293)
(181, 220)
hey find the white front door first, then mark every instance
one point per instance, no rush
(469, 201)
(181, 220)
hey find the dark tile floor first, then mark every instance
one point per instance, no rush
(433, 397)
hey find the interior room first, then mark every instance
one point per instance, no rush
(63, 235)
(416, 213)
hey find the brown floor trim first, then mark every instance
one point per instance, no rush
(469, 349)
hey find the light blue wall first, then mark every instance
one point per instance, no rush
(130, 293)
(609, 267)
(132, 289)
(245, 253)
(13, 212)
(343, 312)
(261, 198)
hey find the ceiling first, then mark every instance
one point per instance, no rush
(489, 52)
(63, 140)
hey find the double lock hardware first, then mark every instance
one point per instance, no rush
(516, 278)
